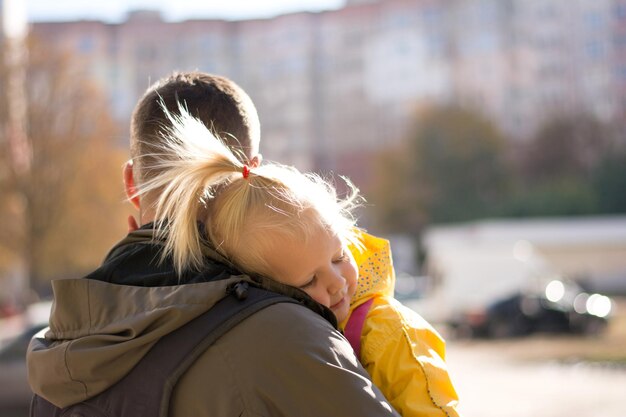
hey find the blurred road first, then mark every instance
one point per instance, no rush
(493, 382)
(540, 375)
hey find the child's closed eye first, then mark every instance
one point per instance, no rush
(341, 258)
(309, 284)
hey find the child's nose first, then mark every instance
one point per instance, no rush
(336, 283)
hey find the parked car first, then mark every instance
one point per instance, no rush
(561, 307)
(15, 393)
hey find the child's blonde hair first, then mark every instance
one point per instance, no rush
(200, 179)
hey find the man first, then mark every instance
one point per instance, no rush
(285, 360)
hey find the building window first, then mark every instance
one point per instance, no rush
(488, 12)
(432, 15)
(594, 20)
(594, 49)
(86, 44)
(146, 52)
(436, 45)
(620, 11)
(621, 73)
(620, 41)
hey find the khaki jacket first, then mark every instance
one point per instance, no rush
(284, 360)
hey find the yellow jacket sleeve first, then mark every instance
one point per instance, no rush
(405, 356)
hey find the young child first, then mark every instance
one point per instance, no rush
(276, 222)
(403, 353)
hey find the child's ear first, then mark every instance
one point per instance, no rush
(129, 184)
(256, 160)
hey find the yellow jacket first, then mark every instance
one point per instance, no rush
(403, 354)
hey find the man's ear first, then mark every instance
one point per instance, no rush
(256, 160)
(129, 184)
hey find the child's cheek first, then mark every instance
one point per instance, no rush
(317, 297)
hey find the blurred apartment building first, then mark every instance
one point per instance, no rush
(333, 88)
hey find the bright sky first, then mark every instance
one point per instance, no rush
(116, 10)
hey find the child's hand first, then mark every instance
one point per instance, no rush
(132, 224)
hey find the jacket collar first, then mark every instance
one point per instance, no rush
(143, 243)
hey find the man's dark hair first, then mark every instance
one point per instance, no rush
(217, 101)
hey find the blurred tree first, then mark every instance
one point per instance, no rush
(609, 181)
(566, 169)
(565, 147)
(69, 202)
(562, 197)
(452, 168)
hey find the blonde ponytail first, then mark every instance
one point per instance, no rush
(191, 163)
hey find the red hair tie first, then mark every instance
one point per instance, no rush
(246, 171)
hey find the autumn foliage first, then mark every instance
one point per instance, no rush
(58, 218)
